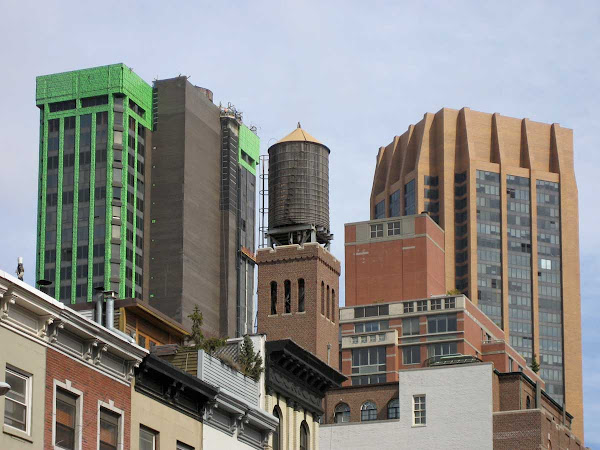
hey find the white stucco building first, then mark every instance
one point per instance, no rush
(447, 407)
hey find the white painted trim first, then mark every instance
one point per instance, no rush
(110, 406)
(28, 397)
(67, 386)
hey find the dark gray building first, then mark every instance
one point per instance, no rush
(202, 209)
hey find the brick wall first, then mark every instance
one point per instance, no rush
(95, 386)
(316, 327)
(355, 396)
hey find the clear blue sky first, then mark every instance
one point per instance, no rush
(354, 73)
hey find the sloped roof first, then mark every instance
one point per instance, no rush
(299, 135)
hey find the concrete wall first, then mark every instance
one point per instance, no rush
(28, 356)
(171, 425)
(214, 438)
(458, 404)
(458, 409)
(185, 246)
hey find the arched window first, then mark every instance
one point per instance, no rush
(328, 301)
(333, 305)
(301, 295)
(287, 289)
(394, 409)
(368, 411)
(322, 298)
(273, 297)
(277, 432)
(304, 436)
(341, 413)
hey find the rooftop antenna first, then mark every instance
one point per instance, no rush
(20, 268)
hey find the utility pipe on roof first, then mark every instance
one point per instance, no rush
(110, 314)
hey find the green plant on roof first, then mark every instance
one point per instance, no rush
(209, 345)
(251, 363)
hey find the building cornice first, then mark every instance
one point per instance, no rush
(51, 323)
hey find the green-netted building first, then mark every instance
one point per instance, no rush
(148, 191)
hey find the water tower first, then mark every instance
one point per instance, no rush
(298, 278)
(298, 191)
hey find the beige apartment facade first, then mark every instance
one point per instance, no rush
(504, 191)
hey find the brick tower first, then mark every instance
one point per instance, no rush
(298, 297)
(298, 279)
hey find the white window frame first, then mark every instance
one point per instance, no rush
(110, 406)
(67, 386)
(28, 385)
(155, 435)
(376, 231)
(422, 421)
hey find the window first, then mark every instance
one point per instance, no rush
(322, 298)
(148, 438)
(419, 417)
(273, 297)
(109, 430)
(409, 307)
(17, 406)
(182, 446)
(287, 288)
(368, 360)
(422, 305)
(393, 409)
(304, 435)
(436, 304)
(411, 355)
(341, 413)
(368, 379)
(66, 413)
(328, 301)
(443, 349)
(375, 325)
(333, 305)
(449, 303)
(377, 230)
(301, 295)
(441, 323)
(371, 311)
(410, 326)
(393, 228)
(277, 432)
(409, 198)
(368, 411)
(394, 207)
(380, 210)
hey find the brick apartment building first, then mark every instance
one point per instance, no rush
(70, 377)
(393, 259)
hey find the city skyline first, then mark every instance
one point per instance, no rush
(378, 74)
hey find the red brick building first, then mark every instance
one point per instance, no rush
(379, 340)
(97, 401)
(393, 259)
(298, 299)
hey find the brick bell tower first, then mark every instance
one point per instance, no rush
(298, 278)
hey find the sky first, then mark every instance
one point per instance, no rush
(355, 74)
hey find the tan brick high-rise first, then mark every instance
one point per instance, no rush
(504, 191)
(298, 290)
